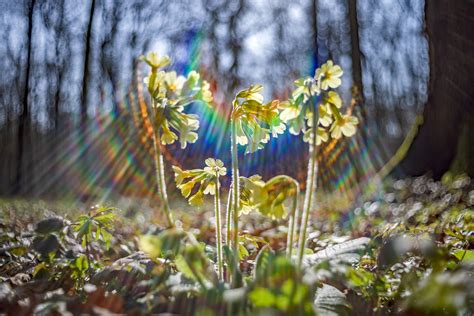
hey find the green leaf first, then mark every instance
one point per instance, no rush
(151, 245)
(230, 259)
(184, 268)
(264, 259)
(262, 297)
(243, 252)
(464, 255)
(84, 228)
(81, 263)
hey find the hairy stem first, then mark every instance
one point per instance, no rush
(294, 210)
(235, 198)
(217, 208)
(311, 181)
(292, 221)
(160, 171)
(229, 218)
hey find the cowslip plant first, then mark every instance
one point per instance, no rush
(318, 121)
(268, 199)
(207, 182)
(252, 122)
(170, 94)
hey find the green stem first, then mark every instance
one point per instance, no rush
(160, 172)
(217, 208)
(229, 218)
(311, 181)
(292, 221)
(235, 198)
(88, 254)
(293, 213)
(228, 226)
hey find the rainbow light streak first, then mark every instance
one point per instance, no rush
(114, 157)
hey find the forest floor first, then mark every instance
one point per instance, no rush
(406, 251)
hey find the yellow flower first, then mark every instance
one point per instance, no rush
(179, 175)
(332, 98)
(214, 166)
(252, 93)
(154, 82)
(321, 136)
(346, 125)
(173, 82)
(155, 61)
(329, 75)
(305, 87)
(206, 92)
(199, 181)
(193, 76)
(168, 137)
(325, 118)
(196, 199)
(254, 120)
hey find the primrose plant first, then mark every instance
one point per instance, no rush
(252, 122)
(268, 198)
(315, 110)
(207, 182)
(170, 94)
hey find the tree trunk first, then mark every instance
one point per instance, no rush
(314, 28)
(24, 119)
(449, 26)
(355, 47)
(86, 75)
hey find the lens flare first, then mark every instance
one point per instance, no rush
(112, 156)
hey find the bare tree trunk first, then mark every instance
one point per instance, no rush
(24, 119)
(86, 73)
(314, 25)
(235, 46)
(355, 48)
(83, 139)
(449, 26)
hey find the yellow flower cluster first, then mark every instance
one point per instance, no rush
(170, 93)
(298, 111)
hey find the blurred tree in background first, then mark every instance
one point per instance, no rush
(69, 73)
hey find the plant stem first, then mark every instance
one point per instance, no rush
(217, 208)
(229, 218)
(292, 221)
(294, 210)
(228, 226)
(88, 253)
(311, 181)
(235, 198)
(159, 169)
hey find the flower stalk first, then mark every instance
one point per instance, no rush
(311, 180)
(170, 94)
(229, 218)
(194, 184)
(217, 209)
(159, 171)
(235, 196)
(293, 214)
